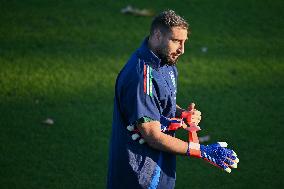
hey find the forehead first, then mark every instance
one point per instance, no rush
(178, 33)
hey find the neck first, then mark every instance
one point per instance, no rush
(151, 45)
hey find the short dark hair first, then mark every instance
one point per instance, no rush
(166, 20)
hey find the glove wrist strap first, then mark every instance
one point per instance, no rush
(193, 150)
(174, 125)
(185, 114)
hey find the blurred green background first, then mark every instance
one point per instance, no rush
(59, 60)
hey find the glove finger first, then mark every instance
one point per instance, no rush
(231, 152)
(226, 168)
(141, 141)
(233, 158)
(223, 144)
(230, 163)
(218, 163)
(236, 160)
(232, 155)
(130, 127)
(135, 136)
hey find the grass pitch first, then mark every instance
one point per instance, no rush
(59, 60)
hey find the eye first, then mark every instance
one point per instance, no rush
(175, 40)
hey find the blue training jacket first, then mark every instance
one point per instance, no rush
(145, 87)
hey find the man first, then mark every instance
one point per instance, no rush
(145, 96)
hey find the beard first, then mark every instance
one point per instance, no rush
(164, 54)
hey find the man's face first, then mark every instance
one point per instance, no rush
(172, 45)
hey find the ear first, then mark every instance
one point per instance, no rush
(158, 35)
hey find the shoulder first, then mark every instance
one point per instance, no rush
(134, 70)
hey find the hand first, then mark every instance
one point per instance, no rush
(192, 117)
(216, 154)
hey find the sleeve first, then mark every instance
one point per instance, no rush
(144, 120)
(138, 98)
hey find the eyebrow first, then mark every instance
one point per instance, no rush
(179, 39)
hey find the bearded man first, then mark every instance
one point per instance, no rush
(145, 96)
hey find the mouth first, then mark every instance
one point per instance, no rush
(174, 56)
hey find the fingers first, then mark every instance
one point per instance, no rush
(191, 106)
(195, 114)
(231, 159)
(221, 165)
(232, 155)
(196, 117)
(135, 135)
(236, 160)
(228, 170)
(196, 120)
(225, 167)
(230, 163)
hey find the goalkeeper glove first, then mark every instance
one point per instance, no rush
(216, 154)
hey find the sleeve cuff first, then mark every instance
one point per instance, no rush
(145, 119)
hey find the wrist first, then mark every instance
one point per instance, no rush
(193, 150)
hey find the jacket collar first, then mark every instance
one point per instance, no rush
(148, 55)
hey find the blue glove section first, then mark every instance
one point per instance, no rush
(219, 156)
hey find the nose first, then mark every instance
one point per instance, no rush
(181, 48)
